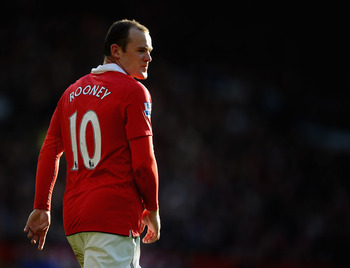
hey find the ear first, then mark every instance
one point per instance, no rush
(116, 51)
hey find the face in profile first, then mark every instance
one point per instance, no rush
(137, 55)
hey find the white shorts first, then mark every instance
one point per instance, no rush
(103, 250)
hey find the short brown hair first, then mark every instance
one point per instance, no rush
(118, 34)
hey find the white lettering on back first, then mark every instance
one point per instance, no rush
(87, 87)
(94, 90)
(77, 94)
(100, 91)
(71, 96)
(106, 94)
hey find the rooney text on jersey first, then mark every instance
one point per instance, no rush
(95, 90)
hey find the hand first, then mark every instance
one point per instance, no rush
(37, 226)
(152, 220)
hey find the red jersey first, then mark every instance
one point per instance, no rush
(93, 123)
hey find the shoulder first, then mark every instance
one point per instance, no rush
(138, 86)
(138, 90)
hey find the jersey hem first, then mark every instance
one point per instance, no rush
(130, 235)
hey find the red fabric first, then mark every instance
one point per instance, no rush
(145, 171)
(47, 171)
(100, 114)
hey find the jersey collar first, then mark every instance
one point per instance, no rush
(107, 68)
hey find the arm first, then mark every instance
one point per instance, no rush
(39, 220)
(146, 177)
(47, 171)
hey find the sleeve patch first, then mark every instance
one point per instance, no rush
(148, 109)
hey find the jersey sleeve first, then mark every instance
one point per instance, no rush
(137, 110)
(145, 171)
(48, 163)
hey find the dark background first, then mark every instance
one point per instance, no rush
(251, 130)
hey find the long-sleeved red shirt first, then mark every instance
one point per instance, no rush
(102, 123)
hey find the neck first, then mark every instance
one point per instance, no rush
(107, 60)
(110, 59)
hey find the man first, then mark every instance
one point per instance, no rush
(102, 123)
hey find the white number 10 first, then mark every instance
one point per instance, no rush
(90, 116)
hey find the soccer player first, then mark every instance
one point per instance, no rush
(103, 124)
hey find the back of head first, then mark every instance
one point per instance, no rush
(118, 34)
